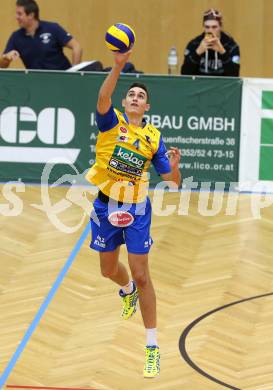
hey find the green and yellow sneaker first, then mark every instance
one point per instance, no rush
(152, 363)
(129, 303)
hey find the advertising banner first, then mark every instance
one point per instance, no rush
(50, 117)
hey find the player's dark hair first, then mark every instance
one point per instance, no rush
(30, 6)
(142, 86)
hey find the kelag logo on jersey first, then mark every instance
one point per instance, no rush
(130, 157)
(127, 161)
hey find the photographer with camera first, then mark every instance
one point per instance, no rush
(213, 53)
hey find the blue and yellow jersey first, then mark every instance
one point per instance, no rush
(123, 156)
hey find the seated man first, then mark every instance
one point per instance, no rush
(213, 53)
(39, 43)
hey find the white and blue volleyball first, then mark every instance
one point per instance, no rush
(120, 38)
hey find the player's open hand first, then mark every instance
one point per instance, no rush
(174, 157)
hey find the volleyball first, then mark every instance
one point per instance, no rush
(120, 37)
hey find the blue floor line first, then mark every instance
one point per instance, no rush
(43, 307)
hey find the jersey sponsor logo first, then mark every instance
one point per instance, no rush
(132, 158)
(120, 166)
(127, 162)
(123, 175)
(123, 130)
(121, 218)
(122, 138)
(45, 37)
(113, 163)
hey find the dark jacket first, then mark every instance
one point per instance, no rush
(227, 64)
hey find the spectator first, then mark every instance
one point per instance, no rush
(39, 43)
(213, 53)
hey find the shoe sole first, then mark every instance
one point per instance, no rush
(151, 377)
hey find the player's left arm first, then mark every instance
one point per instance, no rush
(175, 174)
(166, 163)
(74, 45)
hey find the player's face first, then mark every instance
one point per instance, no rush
(22, 18)
(136, 101)
(212, 26)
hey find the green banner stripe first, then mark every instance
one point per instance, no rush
(267, 100)
(266, 163)
(267, 131)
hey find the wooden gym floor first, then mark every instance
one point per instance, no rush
(198, 263)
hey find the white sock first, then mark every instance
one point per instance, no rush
(151, 336)
(128, 289)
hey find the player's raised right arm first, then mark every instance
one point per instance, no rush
(108, 87)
